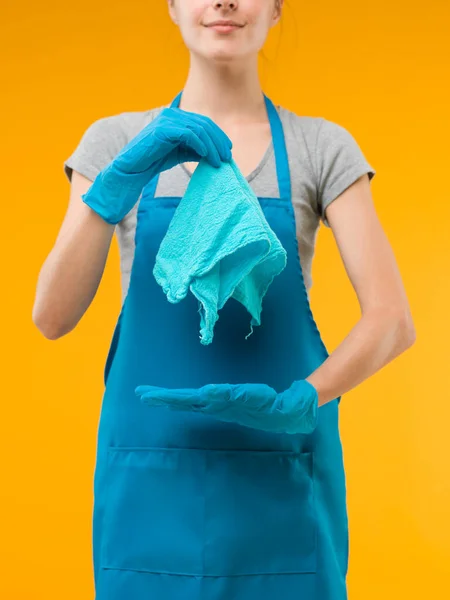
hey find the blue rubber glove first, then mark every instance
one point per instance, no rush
(174, 136)
(254, 405)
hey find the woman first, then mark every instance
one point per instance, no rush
(187, 505)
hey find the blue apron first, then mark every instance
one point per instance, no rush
(189, 507)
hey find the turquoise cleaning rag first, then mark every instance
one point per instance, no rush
(219, 245)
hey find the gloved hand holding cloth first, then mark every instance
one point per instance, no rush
(254, 405)
(174, 136)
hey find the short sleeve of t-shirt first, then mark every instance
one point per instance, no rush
(98, 146)
(339, 163)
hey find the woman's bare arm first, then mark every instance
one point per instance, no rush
(71, 274)
(385, 328)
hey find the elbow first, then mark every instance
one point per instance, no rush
(410, 334)
(47, 325)
(394, 324)
(406, 331)
(49, 332)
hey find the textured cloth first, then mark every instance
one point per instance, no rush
(219, 246)
(324, 159)
(256, 405)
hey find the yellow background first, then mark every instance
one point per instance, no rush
(381, 70)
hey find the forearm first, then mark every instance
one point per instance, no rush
(376, 339)
(70, 276)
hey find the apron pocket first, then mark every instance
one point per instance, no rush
(260, 513)
(154, 519)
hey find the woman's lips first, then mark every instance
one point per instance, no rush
(224, 28)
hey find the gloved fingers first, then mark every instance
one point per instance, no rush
(220, 140)
(248, 404)
(215, 139)
(198, 132)
(216, 133)
(210, 399)
(215, 396)
(237, 399)
(253, 395)
(144, 150)
(198, 136)
(181, 398)
(191, 146)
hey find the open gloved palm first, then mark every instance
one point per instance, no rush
(256, 405)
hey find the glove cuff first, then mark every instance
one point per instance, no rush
(303, 399)
(113, 194)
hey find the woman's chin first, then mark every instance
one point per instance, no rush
(223, 55)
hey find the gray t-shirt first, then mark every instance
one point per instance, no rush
(324, 159)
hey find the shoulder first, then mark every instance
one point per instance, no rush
(315, 130)
(104, 138)
(334, 155)
(132, 122)
(326, 141)
(300, 132)
(124, 125)
(305, 127)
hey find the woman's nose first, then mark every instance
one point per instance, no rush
(226, 4)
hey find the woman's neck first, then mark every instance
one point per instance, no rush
(225, 93)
